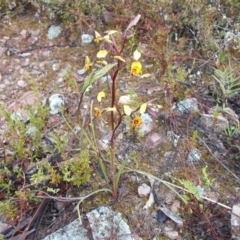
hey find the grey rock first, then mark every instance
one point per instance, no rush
(53, 32)
(147, 124)
(235, 221)
(86, 38)
(193, 156)
(170, 233)
(189, 104)
(106, 223)
(219, 122)
(81, 72)
(73, 231)
(56, 102)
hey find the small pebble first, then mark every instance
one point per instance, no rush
(21, 83)
(2, 86)
(170, 233)
(81, 72)
(23, 33)
(55, 67)
(144, 190)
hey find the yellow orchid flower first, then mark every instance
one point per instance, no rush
(143, 108)
(119, 58)
(102, 62)
(127, 110)
(136, 55)
(136, 68)
(136, 122)
(98, 37)
(100, 96)
(110, 32)
(97, 112)
(102, 53)
(88, 64)
(113, 109)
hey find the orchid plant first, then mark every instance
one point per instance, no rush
(109, 47)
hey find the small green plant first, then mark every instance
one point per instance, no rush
(229, 85)
(205, 177)
(25, 147)
(231, 130)
(189, 187)
(8, 209)
(194, 137)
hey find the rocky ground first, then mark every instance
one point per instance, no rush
(36, 63)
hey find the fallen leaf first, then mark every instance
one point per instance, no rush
(132, 23)
(150, 201)
(171, 215)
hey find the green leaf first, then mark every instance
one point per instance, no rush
(93, 77)
(56, 190)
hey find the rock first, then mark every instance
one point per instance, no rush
(189, 104)
(230, 114)
(147, 124)
(200, 190)
(23, 33)
(59, 205)
(35, 72)
(170, 233)
(2, 86)
(32, 131)
(47, 53)
(56, 102)
(214, 196)
(153, 140)
(170, 197)
(105, 78)
(193, 156)
(209, 120)
(2, 50)
(73, 231)
(106, 223)
(126, 99)
(173, 137)
(81, 72)
(16, 116)
(235, 221)
(144, 190)
(86, 38)
(21, 83)
(55, 67)
(175, 206)
(106, 17)
(17, 107)
(53, 32)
